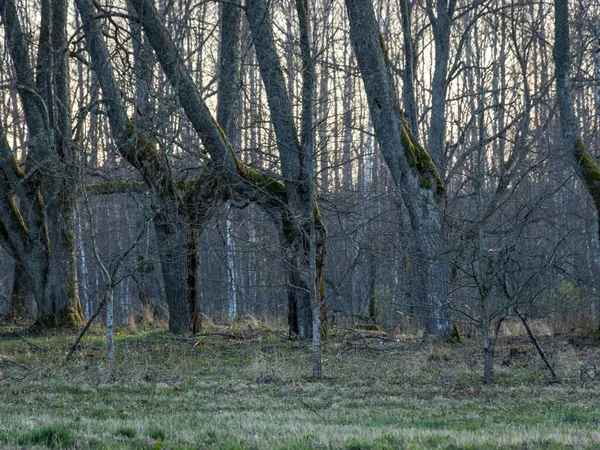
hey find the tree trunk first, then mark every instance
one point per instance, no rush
(441, 31)
(192, 279)
(20, 298)
(83, 265)
(412, 168)
(584, 162)
(229, 243)
(488, 365)
(317, 358)
(409, 75)
(586, 166)
(40, 232)
(110, 310)
(145, 269)
(597, 90)
(62, 306)
(172, 230)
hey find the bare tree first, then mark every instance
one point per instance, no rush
(412, 168)
(38, 230)
(586, 166)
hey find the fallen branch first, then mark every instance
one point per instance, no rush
(87, 327)
(555, 379)
(8, 363)
(33, 346)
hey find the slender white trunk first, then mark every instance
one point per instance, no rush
(597, 90)
(252, 279)
(97, 267)
(368, 160)
(118, 226)
(317, 369)
(231, 266)
(110, 347)
(84, 268)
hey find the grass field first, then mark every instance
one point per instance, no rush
(246, 388)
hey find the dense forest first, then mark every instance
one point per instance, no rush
(426, 166)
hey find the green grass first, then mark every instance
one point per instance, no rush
(221, 393)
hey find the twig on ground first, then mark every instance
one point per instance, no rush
(31, 345)
(8, 363)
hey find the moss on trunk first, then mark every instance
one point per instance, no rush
(270, 185)
(590, 173)
(419, 159)
(70, 316)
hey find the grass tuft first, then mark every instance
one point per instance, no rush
(51, 437)
(127, 432)
(157, 433)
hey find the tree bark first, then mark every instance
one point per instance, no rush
(21, 294)
(42, 227)
(304, 232)
(584, 163)
(409, 74)
(441, 23)
(412, 168)
(488, 365)
(171, 217)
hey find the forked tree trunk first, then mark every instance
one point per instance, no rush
(301, 231)
(40, 232)
(172, 216)
(288, 199)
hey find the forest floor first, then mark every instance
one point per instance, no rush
(245, 387)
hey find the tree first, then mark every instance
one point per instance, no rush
(413, 170)
(37, 205)
(304, 238)
(267, 191)
(174, 221)
(284, 198)
(586, 166)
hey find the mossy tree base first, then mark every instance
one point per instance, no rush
(69, 317)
